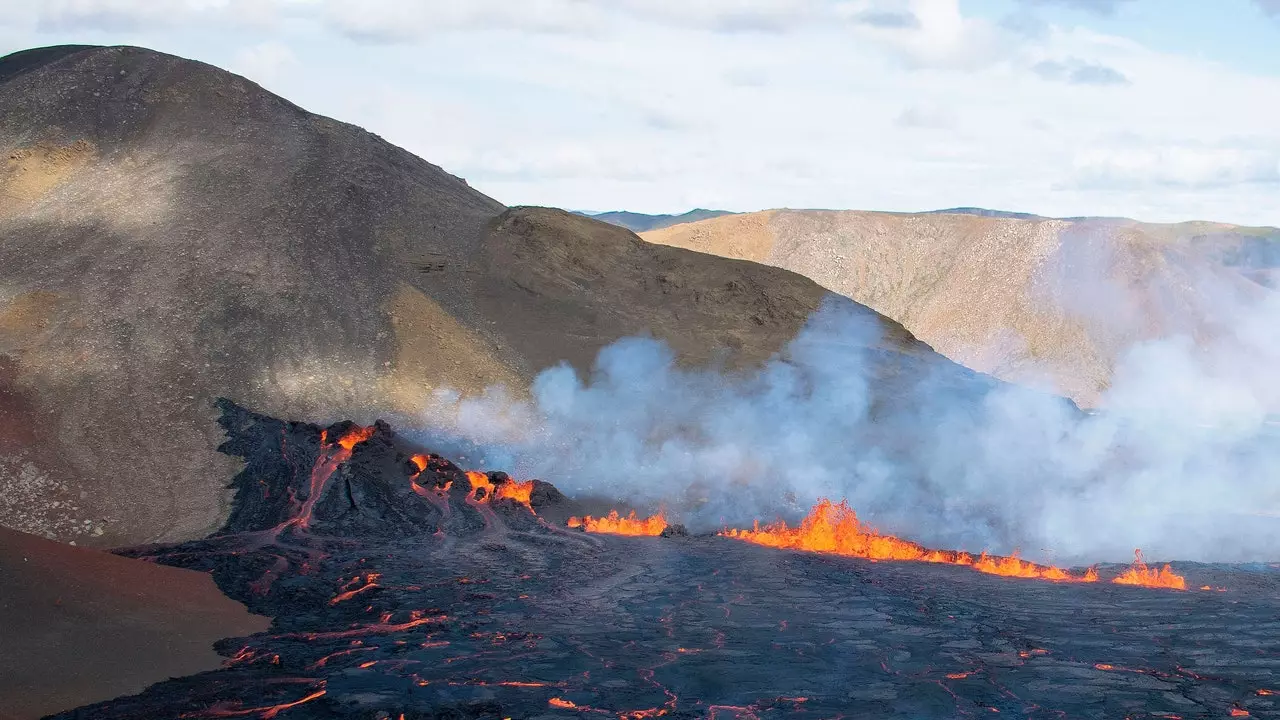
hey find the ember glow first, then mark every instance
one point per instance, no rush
(420, 461)
(521, 492)
(1140, 574)
(834, 528)
(480, 481)
(614, 524)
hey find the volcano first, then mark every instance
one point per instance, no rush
(403, 586)
(171, 233)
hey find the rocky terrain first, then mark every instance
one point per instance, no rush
(1054, 303)
(171, 233)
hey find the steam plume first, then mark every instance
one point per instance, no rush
(1182, 462)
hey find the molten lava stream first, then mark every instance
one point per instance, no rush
(614, 524)
(327, 463)
(835, 528)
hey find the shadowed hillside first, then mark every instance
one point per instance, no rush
(1027, 299)
(171, 233)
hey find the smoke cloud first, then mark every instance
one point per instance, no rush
(1182, 461)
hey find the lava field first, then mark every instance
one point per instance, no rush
(403, 587)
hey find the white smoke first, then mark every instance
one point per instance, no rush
(1183, 462)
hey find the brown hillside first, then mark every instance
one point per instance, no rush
(173, 233)
(1027, 300)
(83, 626)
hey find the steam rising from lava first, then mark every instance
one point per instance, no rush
(1181, 462)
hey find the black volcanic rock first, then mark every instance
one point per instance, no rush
(499, 613)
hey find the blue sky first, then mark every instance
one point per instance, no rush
(1163, 110)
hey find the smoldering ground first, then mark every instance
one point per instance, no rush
(1182, 461)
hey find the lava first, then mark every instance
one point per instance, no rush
(266, 713)
(615, 524)
(834, 528)
(480, 481)
(1140, 574)
(420, 461)
(521, 492)
(326, 464)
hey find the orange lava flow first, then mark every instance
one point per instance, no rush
(1140, 574)
(420, 461)
(521, 492)
(615, 524)
(266, 713)
(480, 481)
(834, 528)
(355, 437)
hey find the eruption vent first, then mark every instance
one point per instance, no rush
(835, 528)
(1140, 574)
(614, 524)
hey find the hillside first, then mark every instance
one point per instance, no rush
(639, 222)
(1027, 299)
(172, 233)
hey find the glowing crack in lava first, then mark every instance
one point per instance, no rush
(327, 463)
(1140, 574)
(614, 524)
(835, 528)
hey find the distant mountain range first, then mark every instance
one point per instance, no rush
(1026, 298)
(639, 222)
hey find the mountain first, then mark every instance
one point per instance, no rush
(172, 233)
(637, 222)
(1025, 298)
(983, 212)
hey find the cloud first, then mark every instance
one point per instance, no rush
(937, 35)
(888, 20)
(265, 63)
(1130, 163)
(926, 118)
(1102, 7)
(396, 21)
(1271, 7)
(134, 15)
(1079, 72)
(1179, 463)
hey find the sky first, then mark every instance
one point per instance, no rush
(1162, 110)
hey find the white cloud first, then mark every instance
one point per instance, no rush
(1187, 165)
(926, 118)
(1079, 72)
(1104, 7)
(265, 63)
(657, 104)
(130, 15)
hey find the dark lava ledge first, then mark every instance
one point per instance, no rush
(395, 595)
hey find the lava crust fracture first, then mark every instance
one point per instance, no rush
(403, 587)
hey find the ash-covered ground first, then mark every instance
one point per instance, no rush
(401, 592)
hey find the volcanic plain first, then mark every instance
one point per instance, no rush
(402, 586)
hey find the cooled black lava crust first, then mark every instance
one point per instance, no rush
(396, 597)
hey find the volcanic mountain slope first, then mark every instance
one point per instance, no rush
(171, 233)
(1027, 299)
(402, 586)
